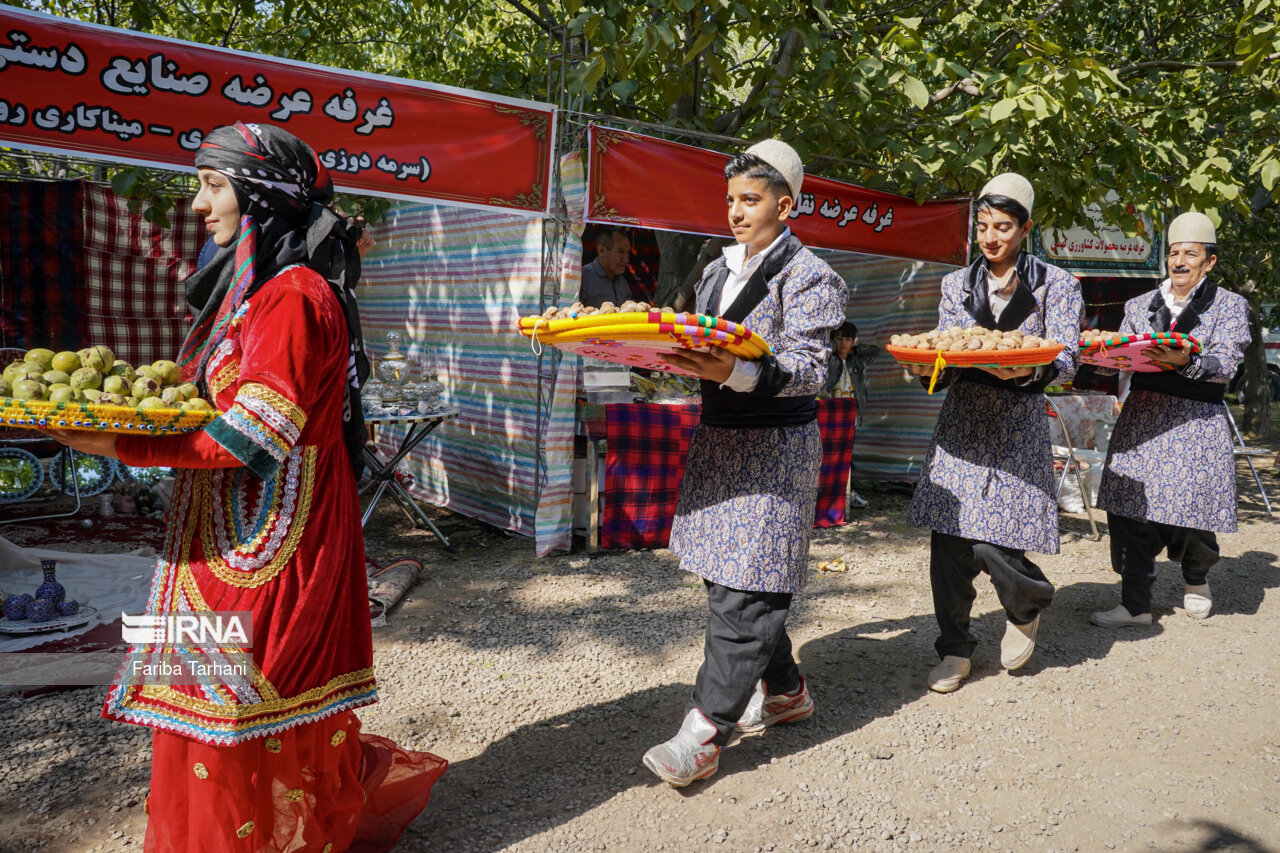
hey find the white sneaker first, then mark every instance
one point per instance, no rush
(857, 500)
(1119, 617)
(1018, 643)
(689, 756)
(947, 675)
(1197, 601)
(775, 709)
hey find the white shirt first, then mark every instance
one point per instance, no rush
(746, 374)
(1174, 304)
(994, 286)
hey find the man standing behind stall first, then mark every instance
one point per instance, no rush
(602, 279)
(1170, 480)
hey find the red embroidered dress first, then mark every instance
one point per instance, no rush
(265, 518)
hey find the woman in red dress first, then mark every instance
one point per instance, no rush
(266, 755)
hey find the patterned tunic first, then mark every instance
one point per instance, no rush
(988, 474)
(748, 496)
(1170, 458)
(264, 519)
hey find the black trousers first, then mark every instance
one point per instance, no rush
(1136, 543)
(954, 562)
(746, 641)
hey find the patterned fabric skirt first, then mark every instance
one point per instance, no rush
(746, 506)
(1170, 461)
(320, 788)
(988, 474)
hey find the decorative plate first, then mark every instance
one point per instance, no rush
(1032, 357)
(21, 474)
(142, 476)
(62, 623)
(41, 414)
(95, 473)
(1125, 352)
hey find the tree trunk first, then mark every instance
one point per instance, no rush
(683, 257)
(1255, 384)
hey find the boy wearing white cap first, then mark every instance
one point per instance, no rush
(986, 487)
(1170, 480)
(750, 486)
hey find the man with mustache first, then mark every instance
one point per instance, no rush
(1170, 480)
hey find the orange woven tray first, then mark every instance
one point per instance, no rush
(978, 358)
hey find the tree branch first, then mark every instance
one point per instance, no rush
(547, 25)
(782, 61)
(965, 84)
(1177, 65)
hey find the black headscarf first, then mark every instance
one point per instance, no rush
(284, 194)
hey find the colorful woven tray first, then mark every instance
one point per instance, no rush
(978, 358)
(639, 339)
(1125, 352)
(41, 414)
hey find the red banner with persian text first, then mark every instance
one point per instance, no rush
(652, 183)
(77, 88)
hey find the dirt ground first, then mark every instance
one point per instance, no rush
(543, 681)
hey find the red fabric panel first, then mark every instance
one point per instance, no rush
(638, 180)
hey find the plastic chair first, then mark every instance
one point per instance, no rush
(1241, 450)
(1072, 465)
(23, 436)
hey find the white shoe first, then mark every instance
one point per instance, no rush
(689, 756)
(856, 500)
(947, 675)
(775, 709)
(1018, 643)
(1119, 617)
(1197, 602)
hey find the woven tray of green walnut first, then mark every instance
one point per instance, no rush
(93, 390)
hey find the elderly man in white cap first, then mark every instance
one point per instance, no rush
(750, 486)
(986, 487)
(1170, 480)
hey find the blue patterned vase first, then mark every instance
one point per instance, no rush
(69, 608)
(51, 590)
(41, 610)
(15, 607)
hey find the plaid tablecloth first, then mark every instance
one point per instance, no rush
(134, 301)
(647, 447)
(41, 265)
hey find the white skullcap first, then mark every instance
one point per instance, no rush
(1011, 185)
(784, 158)
(1192, 228)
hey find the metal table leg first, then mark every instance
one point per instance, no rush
(383, 477)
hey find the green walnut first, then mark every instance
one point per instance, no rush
(116, 385)
(150, 372)
(132, 402)
(145, 387)
(66, 361)
(152, 403)
(63, 394)
(171, 396)
(86, 377)
(107, 398)
(189, 390)
(55, 377)
(169, 373)
(123, 368)
(28, 389)
(91, 395)
(5, 388)
(195, 404)
(100, 358)
(41, 357)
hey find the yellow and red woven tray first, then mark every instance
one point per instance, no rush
(641, 338)
(41, 414)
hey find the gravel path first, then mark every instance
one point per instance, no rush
(544, 681)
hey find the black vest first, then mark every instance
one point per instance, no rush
(761, 408)
(1172, 382)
